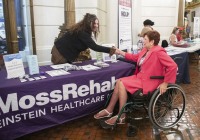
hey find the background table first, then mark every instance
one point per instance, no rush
(34, 105)
(183, 75)
(190, 49)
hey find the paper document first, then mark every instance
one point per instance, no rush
(89, 67)
(57, 72)
(101, 64)
(61, 66)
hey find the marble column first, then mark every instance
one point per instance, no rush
(10, 25)
(181, 13)
(69, 13)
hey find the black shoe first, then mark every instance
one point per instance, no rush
(104, 125)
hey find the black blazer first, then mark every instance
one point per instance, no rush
(70, 45)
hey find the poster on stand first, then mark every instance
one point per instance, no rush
(125, 24)
(14, 65)
(196, 30)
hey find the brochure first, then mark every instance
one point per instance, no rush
(57, 72)
(89, 67)
(33, 64)
(14, 65)
(61, 66)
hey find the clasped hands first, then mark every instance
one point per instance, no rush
(119, 52)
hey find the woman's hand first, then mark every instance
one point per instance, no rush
(119, 52)
(163, 87)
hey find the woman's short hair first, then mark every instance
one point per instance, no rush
(153, 35)
(148, 22)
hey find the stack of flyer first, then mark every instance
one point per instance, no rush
(57, 72)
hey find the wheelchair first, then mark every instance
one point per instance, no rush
(164, 110)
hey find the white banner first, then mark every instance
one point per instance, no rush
(125, 24)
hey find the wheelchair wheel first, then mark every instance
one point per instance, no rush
(165, 110)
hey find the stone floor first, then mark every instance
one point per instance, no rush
(88, 129)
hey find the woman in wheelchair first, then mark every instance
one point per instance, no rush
(151, 61)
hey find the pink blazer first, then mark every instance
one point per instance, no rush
(156, 63)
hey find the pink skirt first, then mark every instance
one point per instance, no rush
(131, 83)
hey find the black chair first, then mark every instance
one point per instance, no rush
(164, 43)
(164, 110)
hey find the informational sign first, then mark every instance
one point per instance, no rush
(14, 65)
(33, 64)
(125, 24)
(196, 30)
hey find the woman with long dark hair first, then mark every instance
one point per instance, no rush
(77, 39)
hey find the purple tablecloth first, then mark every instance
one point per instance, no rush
(34, 105)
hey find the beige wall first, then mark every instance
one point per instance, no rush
(48, 16)
(163, 13)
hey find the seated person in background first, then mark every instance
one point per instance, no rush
(147, 27)
(151, 61)
(67, 48)
(175, 38)
(179, 35)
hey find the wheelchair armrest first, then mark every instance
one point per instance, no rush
(156, 77)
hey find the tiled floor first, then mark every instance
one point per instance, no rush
(88, 129)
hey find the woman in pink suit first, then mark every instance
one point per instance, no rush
(151, 61)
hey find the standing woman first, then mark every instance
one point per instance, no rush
(78, 38)
(147, 27)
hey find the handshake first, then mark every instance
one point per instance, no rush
(119, 52)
